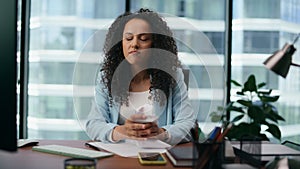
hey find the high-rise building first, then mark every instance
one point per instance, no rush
(61, 35)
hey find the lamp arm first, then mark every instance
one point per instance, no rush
(296, 39)
(294, 64)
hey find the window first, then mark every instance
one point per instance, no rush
(260, 41)
(252, 44)
(59, 31)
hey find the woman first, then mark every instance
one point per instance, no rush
(140, 92)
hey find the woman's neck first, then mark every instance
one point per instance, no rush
(141, 82)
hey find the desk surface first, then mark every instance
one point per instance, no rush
(25, 158)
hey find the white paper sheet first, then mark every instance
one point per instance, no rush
(130, 148)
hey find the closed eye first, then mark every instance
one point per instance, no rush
(145, 37)
(128, 36)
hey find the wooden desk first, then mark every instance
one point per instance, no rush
(25, 158)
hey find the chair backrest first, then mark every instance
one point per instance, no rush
(186, 74)
(194, 131)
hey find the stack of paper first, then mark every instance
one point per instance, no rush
(130, 148)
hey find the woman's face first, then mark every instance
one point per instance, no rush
(136, 38)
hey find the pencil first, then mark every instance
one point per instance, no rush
(224, 133)
(207, 153)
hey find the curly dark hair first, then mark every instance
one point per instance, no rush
(161, 39)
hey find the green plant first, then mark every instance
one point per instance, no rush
(253, 108)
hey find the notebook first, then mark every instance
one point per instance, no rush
(182, 156)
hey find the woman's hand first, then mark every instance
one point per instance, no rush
(135, 130)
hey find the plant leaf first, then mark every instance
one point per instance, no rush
(266, 98)
(237, 118)
(216, 116)
(220, 108)
(240, 93)
(237, 109)
(245, 103)
(264, 122)
(229, 105)
(269, 116)
(250, 84)
(256, 113)
(235, 83)
(213, 113)
(265, 92)
(260, 85)
(276, 115)
(244, 129)
(254, 128)
(263, 137)
(274, 130)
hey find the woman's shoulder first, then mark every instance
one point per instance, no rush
(98, 78)
(179, 73)
(182, 76)
(99, 83)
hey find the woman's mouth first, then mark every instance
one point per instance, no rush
(133, 52)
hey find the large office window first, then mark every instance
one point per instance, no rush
(58, 33)
(201, 48)
(252, 44)
(60, 38)
(260, 41)
(60, 30)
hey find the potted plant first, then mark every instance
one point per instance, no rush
(253, 108)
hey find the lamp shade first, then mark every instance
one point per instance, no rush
(281, 60)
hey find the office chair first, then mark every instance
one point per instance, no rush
(195, 132)
(186, 75)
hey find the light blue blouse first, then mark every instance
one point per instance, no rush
(177, 118)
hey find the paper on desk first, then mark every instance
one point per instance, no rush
(150, 144)
(130, 148)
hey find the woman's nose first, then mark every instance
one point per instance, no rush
(134, 43)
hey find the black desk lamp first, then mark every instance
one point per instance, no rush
(281, 60)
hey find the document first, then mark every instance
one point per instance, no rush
(130, 148)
